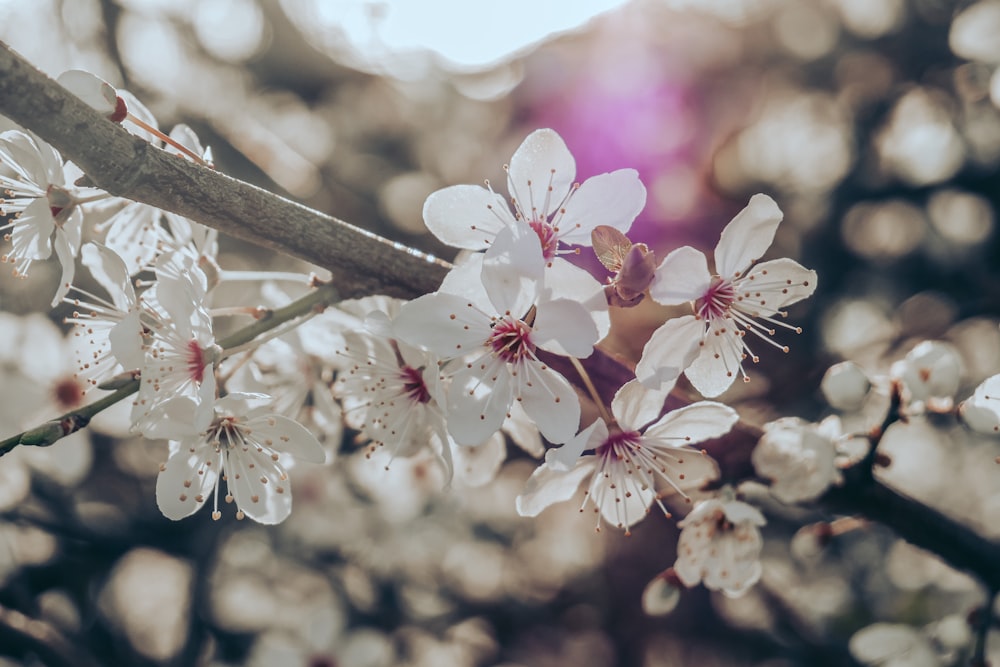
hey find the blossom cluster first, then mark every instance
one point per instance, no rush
(499, 351)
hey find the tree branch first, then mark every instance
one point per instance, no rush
(361, 262)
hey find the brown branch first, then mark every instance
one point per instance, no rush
(362, 263)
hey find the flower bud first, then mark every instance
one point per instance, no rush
(96, 92)
(845, 386)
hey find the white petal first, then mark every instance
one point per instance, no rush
(523, 431)
(670, 350)
(740, 512)
(443, 323)
(466, 280)
(134, 234)
(261, 491)
(747, 237)
(96, 92)
(681, 277)
(180, 490)
(717, 364)
(478, 465)
(547, 486)
(625, 505)
(695, 423)
(173, 419)
(567, 456)
(478, 401)
(512, 271)
(31, 235)
(67, 259)
(613, 199)
(564, 327)
(288, 436)
(541, 172)
(109, 271)
(772, 285)
(635, 404)
(548, 399)
(567, 281)
(125, 338)
(466, 216)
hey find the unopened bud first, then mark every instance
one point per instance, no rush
(845, 386)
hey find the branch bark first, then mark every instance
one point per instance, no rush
(361, 262)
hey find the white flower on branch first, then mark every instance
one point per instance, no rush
(931, 373)
(181, 356)
(496, 311)
(709, 346)
(720, 545)
(239, 444)
(981, 411)
(109, 332)
(798, 457)
(631, 458)
(45, 214)
(540, 180)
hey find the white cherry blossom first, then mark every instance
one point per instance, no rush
(45, 213)
(494, 312)
(720, 546)
(798, 457)
(631, 458)
(238, 443)
(931, 373)
(740, 297)
(544, 195)
(180, 359)
(981, 411)
(109, 330)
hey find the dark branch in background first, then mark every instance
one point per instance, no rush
(26, 636)
(362, 263)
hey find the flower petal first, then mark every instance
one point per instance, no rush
(549, 399)
(567, 281)
(670, 350)
(286, 435)
(694, 423)
(773, 285)
(548, 486)
(259, 484)
(443, 323)
(466, 216)
(681, 277)
(613, 199)
(95, 91)
(635, 404)
(180, 489)
(564, 327)
(718, 363)
(478, 400)
(67, 258)
(747, 237)
(541, 172)
(31, 236)
(109, 270)
(567, 456)
(512, 270)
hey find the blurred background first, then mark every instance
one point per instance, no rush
(875, 124)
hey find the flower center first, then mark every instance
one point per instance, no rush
(620, 444)
(68, 393)
(413, 385)
(547, 236)
(60, 203)
(511, 340)
(195, 361)
(715, 303)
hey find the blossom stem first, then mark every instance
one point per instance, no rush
(592, 390)
(48, 433)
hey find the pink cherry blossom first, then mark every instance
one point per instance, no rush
(741, 297)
